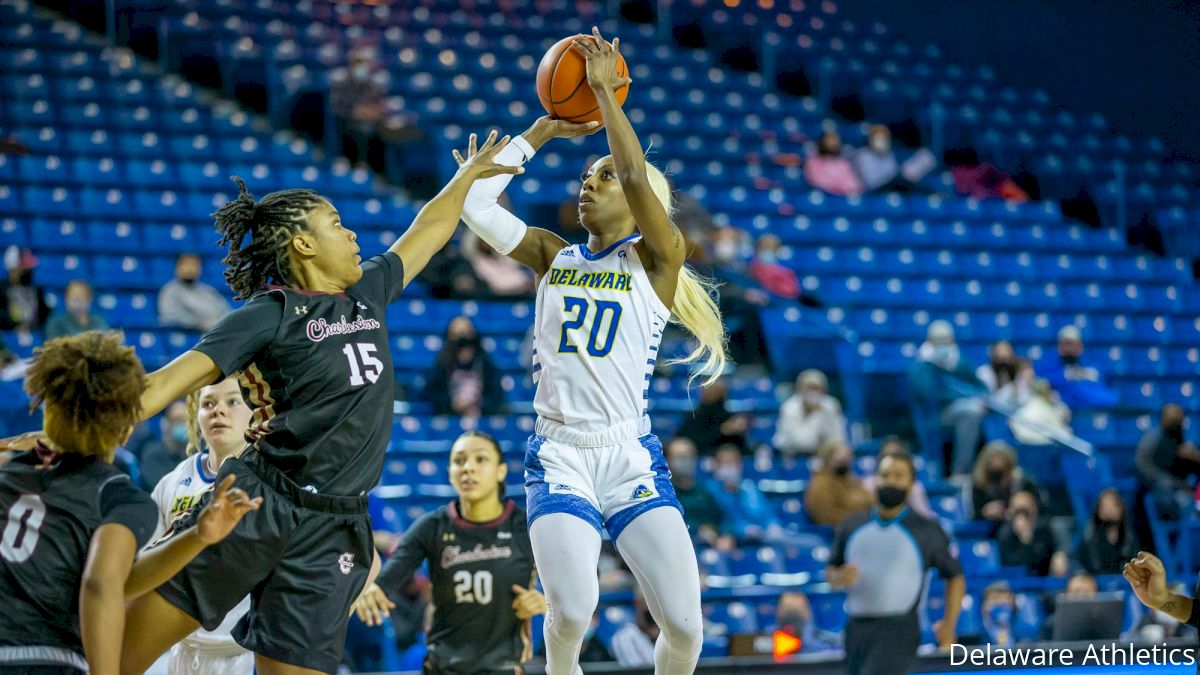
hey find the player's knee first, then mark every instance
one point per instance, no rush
(571, 619)
(684, 633)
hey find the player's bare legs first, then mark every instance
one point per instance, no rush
(268, 666)
(152, 626)
(659, 552)
(567, 551)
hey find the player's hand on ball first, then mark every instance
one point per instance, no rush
(1148, 579)
(373, 605)
(601, 59)
(556, 128)
(528, 603)
(224, 512)
(481, 161)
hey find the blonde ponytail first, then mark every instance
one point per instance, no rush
(194, 442)
(695, 307)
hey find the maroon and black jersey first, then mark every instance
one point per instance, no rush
(472, 569)
(50, 506)
(317, 370)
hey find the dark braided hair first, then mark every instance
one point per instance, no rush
(270, 224)
(92, 386)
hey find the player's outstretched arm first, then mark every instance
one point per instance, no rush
(102, 596)
(159, 564)
(436, 222)
(187, 373)
(662, 241)
(533, 247)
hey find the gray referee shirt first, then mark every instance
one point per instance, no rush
(892, 557)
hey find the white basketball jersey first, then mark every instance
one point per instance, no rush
(176, 494)
(598, 324)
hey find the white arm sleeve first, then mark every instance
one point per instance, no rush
(492, 222)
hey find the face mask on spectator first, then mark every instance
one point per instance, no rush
(685, 468)
(996, 475)
(78, 305)
(1174, 432)
(840, 469)
(179, 433)
(1001, 615)
(943, 354)
(1107, 522)
(768, 257)
(812, 399)
(728, 474)
(880, 144)
(361, 72)
(1069, 359)
(890, 496)
(725, 250)
(795, 620)
(187, 281)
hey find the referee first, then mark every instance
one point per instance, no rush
(881, 557)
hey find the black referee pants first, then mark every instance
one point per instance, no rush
(882, 645)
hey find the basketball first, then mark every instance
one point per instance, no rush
(562, 83)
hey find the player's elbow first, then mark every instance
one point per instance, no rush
(101, 585)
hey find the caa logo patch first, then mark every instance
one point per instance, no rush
(641, 492)
(346, 562)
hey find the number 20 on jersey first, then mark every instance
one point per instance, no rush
(606, 316)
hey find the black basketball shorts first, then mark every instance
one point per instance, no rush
(302, 557)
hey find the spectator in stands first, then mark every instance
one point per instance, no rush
(809, 418)
(999, 609)
(450, 275)
(724, 258)
(1078, 382)
(78, 316)
(1027, 541)
(187, 302)
(22, 304)
(879, 169)
(828, 169)
(1080, 586)
(359, 101)
(1165, 462)
(463, 380)
(918, 497)
(995, 479)
(766, 269)
(692, 218)
(982, 181)
(882, 558)
(633, 644)
(834, 492)
(711, 423)
(701, 512)
(502, 276)
(161, 456)
(943, 383)
(794, 615)
(1006, 377)
(1109, 541)
(748, 514)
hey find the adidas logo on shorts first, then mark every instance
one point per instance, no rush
(640, 492)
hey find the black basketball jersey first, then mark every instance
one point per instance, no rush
(317, 370)
(49, 513)
(472, 568)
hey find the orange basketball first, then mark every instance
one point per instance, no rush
(562, 83)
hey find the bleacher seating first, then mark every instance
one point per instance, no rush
(126, 163)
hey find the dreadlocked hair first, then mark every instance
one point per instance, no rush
(92, 387)
(269, 223)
